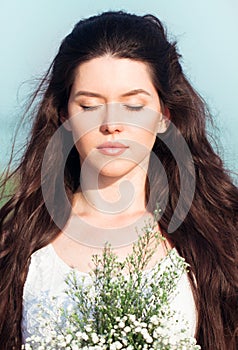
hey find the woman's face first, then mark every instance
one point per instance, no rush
(114, 113)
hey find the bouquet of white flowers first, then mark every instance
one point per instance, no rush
(121, 310)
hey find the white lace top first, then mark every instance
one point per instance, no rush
(46, 279)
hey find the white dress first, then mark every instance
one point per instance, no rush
(46, 279)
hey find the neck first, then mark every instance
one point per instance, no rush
(113, 196)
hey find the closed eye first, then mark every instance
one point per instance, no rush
(128, 107)
(89, 108)
(133, 108)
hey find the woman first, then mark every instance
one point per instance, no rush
(109, 70)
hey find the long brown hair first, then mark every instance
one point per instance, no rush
(207, 238)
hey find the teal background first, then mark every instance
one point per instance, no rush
(207, 35)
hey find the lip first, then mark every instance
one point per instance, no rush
(112, 148)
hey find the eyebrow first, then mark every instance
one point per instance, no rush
(136, 92)
(129, 93)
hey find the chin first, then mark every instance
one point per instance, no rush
(118, 168)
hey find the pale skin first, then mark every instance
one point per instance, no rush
(107, 103)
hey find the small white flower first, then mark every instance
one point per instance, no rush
(146, 336)
(26, 347)
(143, 324)
(88, 328)
(68, 338)
(136, 323)
(127, 329)
(75, 347)
(138, 329)
(121, 324)
(69, 307)
(84, 336)
(132, 318)
(102, 340)
(154, 319)
(95, 338)
(116, 346)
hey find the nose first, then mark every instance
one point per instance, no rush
(111, 121)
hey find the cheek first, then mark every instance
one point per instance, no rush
(145, 138)
(84, 123)
(146, 123)
(84, 144)
(145, 129)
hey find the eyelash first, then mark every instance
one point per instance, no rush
(88, 108)
(129, 108)
(134, 108)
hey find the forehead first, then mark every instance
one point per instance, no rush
(113, 74)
